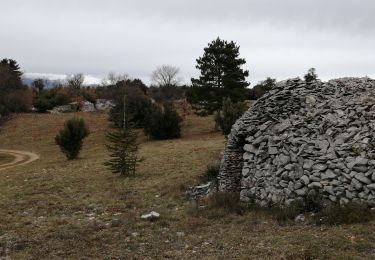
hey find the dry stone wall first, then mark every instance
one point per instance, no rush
(301, 139)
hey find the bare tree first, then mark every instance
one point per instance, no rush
(166, 75)
(75, 81)
(112, 79)
(39, 84)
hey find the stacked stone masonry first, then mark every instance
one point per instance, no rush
(300, 139)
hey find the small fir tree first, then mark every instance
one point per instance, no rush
(122, 147)
(123, 151)
(70, 138)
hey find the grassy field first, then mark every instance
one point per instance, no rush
(5, 158)
(59, 209)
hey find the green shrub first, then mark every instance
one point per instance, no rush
(61, 98)
(163, 123)
(70, 138)
(43, 104)
(47, 99)
(211, 173)
(228, 115)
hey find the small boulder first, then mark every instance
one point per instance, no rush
(151, 216)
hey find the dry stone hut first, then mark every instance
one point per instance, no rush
(300, 139)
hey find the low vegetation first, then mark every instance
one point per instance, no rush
(229, 114)
(70, 138)
(309, 211)
(57, 210)
(163, 123)
(54, 209)
(211, 172)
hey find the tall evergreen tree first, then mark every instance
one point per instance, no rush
(14, 96)
(221, 76)
(13, 66)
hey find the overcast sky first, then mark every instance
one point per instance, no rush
(278, 38)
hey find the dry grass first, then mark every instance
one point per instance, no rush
(54, 208)
(6, 158)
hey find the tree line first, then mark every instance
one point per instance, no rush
(221, 89)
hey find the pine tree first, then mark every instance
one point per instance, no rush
(221, 76)
(311, 75)
(123, 151)
(122, 147)
(13, 66)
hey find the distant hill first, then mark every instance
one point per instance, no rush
(50, 83)
(52, 80)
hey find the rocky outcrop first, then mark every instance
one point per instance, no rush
(104, 104)
(201, 191)
(82, 106)
(300, 139)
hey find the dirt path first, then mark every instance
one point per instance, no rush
(21, 158)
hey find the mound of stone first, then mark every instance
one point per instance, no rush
(302, 139)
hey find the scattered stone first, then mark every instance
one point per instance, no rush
(115, 222)
(180, 234)
(300, 218)
(104, 104)
(151, 216)
(201, 191)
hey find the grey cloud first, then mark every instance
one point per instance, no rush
(279, 38)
